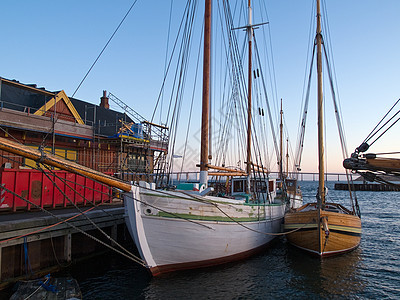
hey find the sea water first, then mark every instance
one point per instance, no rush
(372, 271)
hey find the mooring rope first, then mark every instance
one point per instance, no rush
(195, 198)
(131, 256)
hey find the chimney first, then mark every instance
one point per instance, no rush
(104, 100)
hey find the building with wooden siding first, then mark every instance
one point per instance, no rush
(92, 135)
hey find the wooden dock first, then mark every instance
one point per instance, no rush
(367, 187)
(32, 243)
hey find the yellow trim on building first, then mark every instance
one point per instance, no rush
(60, 96)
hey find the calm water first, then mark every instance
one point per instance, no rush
(370, 272)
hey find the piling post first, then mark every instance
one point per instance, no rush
(67, 247)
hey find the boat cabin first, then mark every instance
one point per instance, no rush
(263, 188)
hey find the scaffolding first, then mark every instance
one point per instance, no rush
(143, 155)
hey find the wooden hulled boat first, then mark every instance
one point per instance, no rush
(324, 232)
(177, 229)
(322, 228)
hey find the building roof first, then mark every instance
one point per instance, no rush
(28, 98)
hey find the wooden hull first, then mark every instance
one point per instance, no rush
(323, 232)
(173, 231)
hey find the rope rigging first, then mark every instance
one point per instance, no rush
(81, 212)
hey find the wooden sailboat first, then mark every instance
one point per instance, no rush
(177, 229)
(322, 228)
(288, 186)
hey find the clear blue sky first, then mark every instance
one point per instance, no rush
(53, 44)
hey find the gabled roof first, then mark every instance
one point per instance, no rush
(51, 104)
(22, 97)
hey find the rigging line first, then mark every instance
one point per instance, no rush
(266, 99)
(223, 81)
(55, 117)
(273, 77)
(237, 73)
(337, 113)
(385, 130)
(73, 189)
(386, 153)
(46, 227)
(12, 136)
(178, 78)
(257, 231)
(178, 67)
(90, 220)
(306, 88)
(133, 257)
(223, 137)
(258, 64)
(191, 107)
(184, 17)
(166, 57)
(302, 128)
(104, 48)
(371, 135)
(185, 50)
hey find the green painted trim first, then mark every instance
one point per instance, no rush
(296, 226)
(207, 218)
(211, 201)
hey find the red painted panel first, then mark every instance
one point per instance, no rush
(97, 193)
(35, 189)
(89, 184)
(21, 188)
(7, 199)
(69, 188)
(47, 195)
(80, 183)
(39, 189)
(59, 199)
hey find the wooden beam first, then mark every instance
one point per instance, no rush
(227, 174)
(223, 168)
(52, 160)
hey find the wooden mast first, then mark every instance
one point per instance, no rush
(321, 180)
(281, 145)
(320, 112)
(250, 35)
(206, 94)
(287, 158)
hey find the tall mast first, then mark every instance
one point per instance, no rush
(320, 111)
(206, 94)
(281, 144)
(250, 35)
(287, 157)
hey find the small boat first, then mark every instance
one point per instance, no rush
(287, 186)
(322, 228)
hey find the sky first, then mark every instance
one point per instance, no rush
(54, 43)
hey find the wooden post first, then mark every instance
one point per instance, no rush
(67, 247)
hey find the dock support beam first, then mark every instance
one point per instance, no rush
(67, 248)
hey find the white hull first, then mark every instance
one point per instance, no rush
(198, 234)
